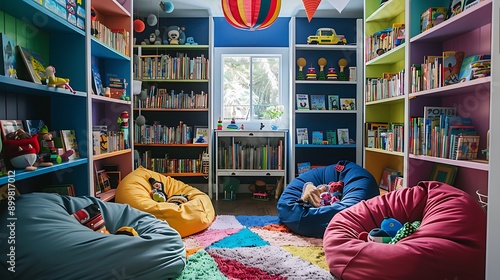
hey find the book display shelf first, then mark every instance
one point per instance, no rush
(246, 153)
(175, 101)
(470, 95)
(62, 45)
(110, 77)
(326, 94)
(384, 94)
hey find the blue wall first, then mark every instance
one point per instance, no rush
(276, 35)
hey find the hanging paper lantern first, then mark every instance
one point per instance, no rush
(139, 25)
(251, 14)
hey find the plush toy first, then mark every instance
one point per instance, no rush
(21, 149)
(174, 35)
(53, 81)
(190, 41)
(154, 38)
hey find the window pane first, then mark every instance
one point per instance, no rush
(265, 85)
(236, 87)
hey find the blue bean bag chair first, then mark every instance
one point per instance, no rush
(40, 239)
(304, 219)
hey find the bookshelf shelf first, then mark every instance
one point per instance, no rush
(172, 145)
(391, 100)
(393, 56)
(174, 81)
(388, 11)
(21, 174)
(111, 154)
(345, 87)
(185, 174)
(172, 110)
(102, 50)
(20, 86)
(111, 8)
(245, 153)
(104, 99)
(173, 47)
(456, 89)
(461, 163)
(375, 150)
(107, 196)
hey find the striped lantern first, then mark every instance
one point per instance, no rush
(251, 14)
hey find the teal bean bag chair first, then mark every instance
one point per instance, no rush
(305, 219)
(46, 242)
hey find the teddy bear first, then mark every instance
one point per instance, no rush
(190, 41)
(174, 35)
(153, 39)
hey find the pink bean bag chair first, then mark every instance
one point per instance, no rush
(449, 244)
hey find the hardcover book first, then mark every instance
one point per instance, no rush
(452, 62)
(318, 102)
(333, 102)
(10, 126)
(302, 136)
(33, 126)
(303, 167)
(8, 56)
(466, 68)
(466, 147)
(317, 137)
(97, 87)
(68, 137)
(33, 69)
(348, 104)
(343, 136)
(302, 101)
(331, 137)
(385, 179)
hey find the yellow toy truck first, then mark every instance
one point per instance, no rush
(326, 36)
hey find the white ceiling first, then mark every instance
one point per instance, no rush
(202, 8)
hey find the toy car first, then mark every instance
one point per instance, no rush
(326, 36)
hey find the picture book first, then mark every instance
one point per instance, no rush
(432, 17)
(302, 136)
(103, 179)
(33, 69)
(318, 102)
(466, 147)
(8, 56)
(96, 138)
(317, 137)
(68, 137)
(436, 111)
(443, 173)
(333, 102)
(469, 3)
(385, 179)
(331, 137)
(10, 126)
(201, 136)
(303, 167)
(466, 68)
(343, 136)
(347, 104)
(455, 8)
(33, 126)
(452, 62)
(302, 101)
(97, 86)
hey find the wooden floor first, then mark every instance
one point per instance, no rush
(245, 205)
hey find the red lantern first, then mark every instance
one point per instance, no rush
(139, 25)
(251, 14)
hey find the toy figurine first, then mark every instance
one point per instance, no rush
(232, 125)
(22, 149)
(322, 62)
(332, 74)
(301, 62)
(219, 124)
(53, 81)
(123, 122)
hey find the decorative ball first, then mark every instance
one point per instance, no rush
(139, 25)
(152, 20)
(167, 7)
(140, 121)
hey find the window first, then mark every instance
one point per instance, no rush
(250, 85)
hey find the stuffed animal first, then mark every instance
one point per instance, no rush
(21, 149)
(190, 41)
(53, 81)
(154, 38)
(174, 35)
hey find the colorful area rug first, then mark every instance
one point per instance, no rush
(253, 247)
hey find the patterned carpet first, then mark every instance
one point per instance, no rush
(253, 247)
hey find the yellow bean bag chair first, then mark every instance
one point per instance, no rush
(187, 218)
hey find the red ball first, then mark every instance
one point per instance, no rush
(139, 25)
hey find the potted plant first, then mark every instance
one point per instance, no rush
(274, 113)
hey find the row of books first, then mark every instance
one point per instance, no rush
(117, 39)
(162, 134)
(104, 141)
(449, 68)
(384, 40)
(180, 67)
(171, 165)
(160, 98)
(238, 155)
(391, 179)
(319, 102)
(385, 136)
(390, 85)
(441, 133)
(72, 11)
(338, 137)
(62, 189)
